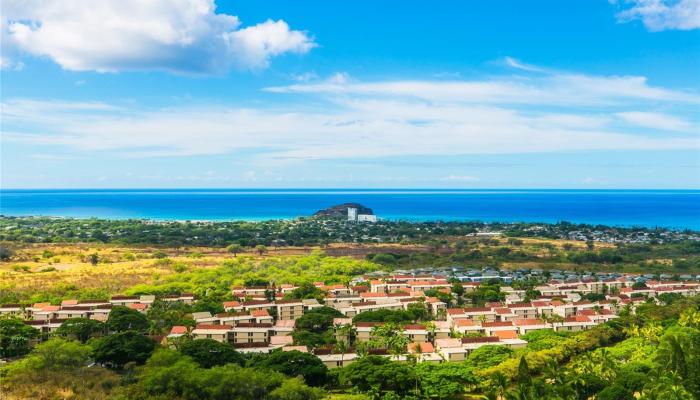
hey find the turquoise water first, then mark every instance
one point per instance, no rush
(665, 208)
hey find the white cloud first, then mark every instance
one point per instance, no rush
(517, 64)
(347, 118)
(183, 36)
(551, 89)
(352, 129)
(660, 15)
(459, 178)
(7, 64)
(304, 77)
(657, 121)
(263, 41)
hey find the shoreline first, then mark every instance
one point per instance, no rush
(165, 221)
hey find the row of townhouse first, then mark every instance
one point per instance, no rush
(656, 289)
(278, 292)
(448, 349)
(47, 317)
(350, 301)
(261, 337)
(372, 301)
(615, 285)
(283, 309)
(498, 312)
(414, 283)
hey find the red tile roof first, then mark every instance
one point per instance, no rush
(496, 324)
(505, 335)
(178, 330)
(216, 327)
(260, 313)
(425, 347)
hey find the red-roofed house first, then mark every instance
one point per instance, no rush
(490, 328)
(177, 331)
(208, 331)
(530, 324)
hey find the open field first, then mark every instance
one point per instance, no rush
(63, 269)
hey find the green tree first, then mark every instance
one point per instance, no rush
(59, 355)
(391, 337)
(315, 327)
(123, 347)
(6, 253)
(295, 389)
(15, 337)
(523, 377)
(125, 319)
(305, 291)
(234, 249)
(376, 372)
(295, 363)
(81, 329)
(444, 381)
(261, 249)
(208, 352)
(671, 353)
(615, 392)
(457, 289)
(489, 356)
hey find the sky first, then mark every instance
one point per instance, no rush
(589, 94)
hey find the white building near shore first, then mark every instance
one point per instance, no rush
(354, 216)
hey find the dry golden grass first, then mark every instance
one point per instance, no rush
(93, 383)
(119, 267)
(41, 267)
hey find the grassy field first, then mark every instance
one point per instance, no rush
(61, 270)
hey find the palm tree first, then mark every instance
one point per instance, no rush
(523, 392)
(349, 332)
(632, 331)
(418, 351)
(499, 383)
(431, 328)
(341, 347)
(391, 337)
(671, 354)
(455, 333)
(555, 319)
(361, 348)
(651, 332)
(441, 314)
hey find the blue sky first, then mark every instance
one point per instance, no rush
(490, 94)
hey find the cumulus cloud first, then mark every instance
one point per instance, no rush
(660, 15)
(182, 36)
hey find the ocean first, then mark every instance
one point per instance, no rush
(678, 209)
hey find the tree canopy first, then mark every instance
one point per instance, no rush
(120, 348)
